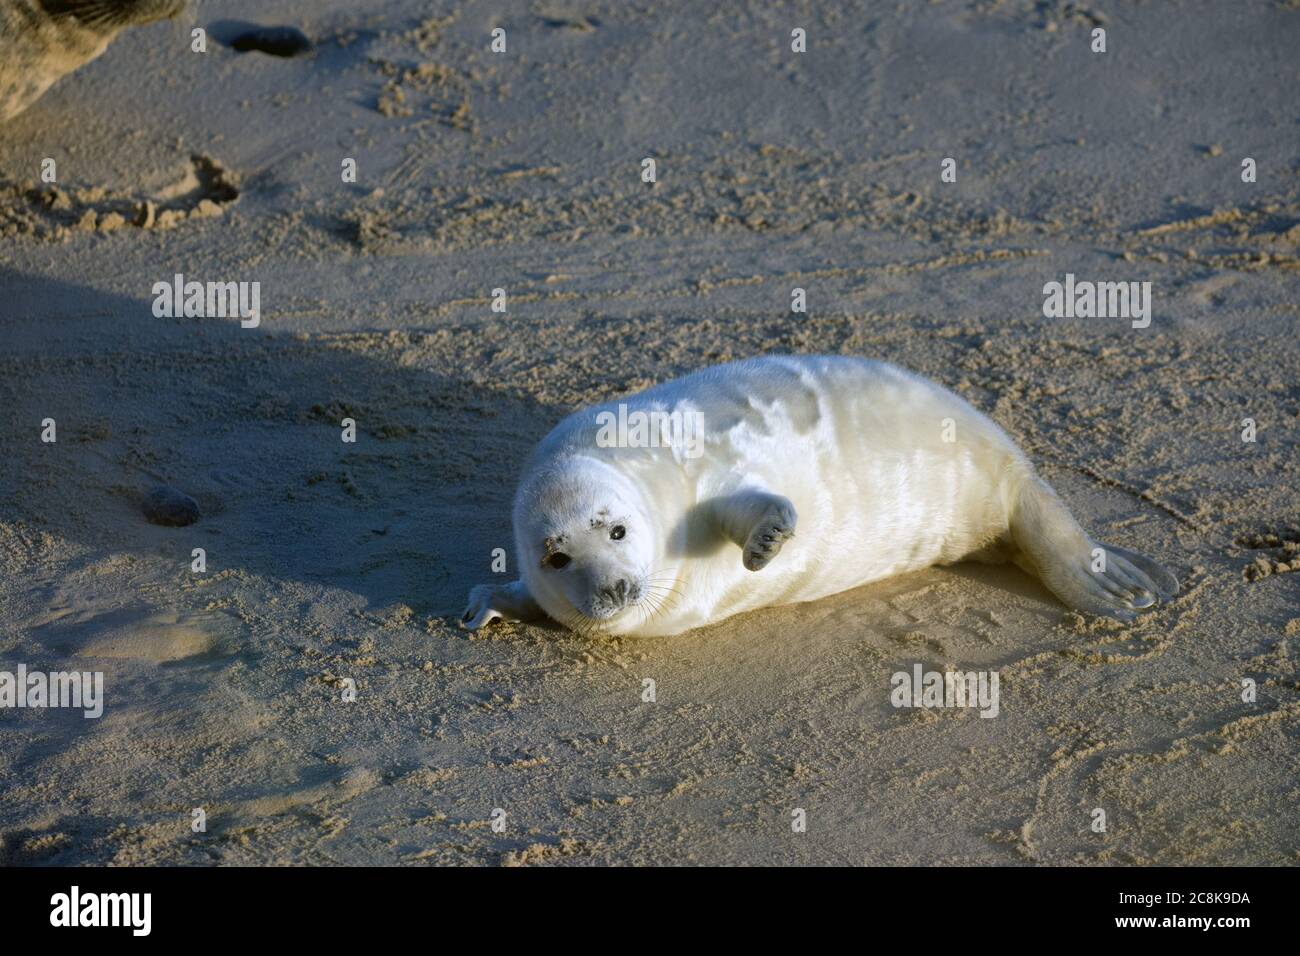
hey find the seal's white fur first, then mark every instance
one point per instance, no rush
(822, 472)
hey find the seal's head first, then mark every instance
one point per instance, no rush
(586, 543)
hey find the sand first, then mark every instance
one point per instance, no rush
(331, 566)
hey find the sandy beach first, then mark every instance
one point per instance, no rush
(332, 565)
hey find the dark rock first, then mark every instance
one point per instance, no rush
(277, 41)
(166, 506)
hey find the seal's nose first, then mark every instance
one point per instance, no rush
(617, 593)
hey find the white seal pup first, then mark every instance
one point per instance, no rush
(42, 40)
(633, 530)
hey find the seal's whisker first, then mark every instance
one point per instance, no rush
(663, 601)
(577, 621)
(664, 592)
(663, 589)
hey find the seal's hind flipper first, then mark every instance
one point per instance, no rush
(1099, 579)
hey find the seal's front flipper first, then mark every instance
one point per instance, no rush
(758, 521)
(510, 602)
(1099, 579)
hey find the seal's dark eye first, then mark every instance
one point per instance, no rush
(558, 560)
(617, 532)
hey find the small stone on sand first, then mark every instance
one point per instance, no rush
(166, 506)
(145, 212)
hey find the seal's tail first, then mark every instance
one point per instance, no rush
(1100, 579)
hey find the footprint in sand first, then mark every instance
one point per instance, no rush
(202, 189)
(135, 634)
